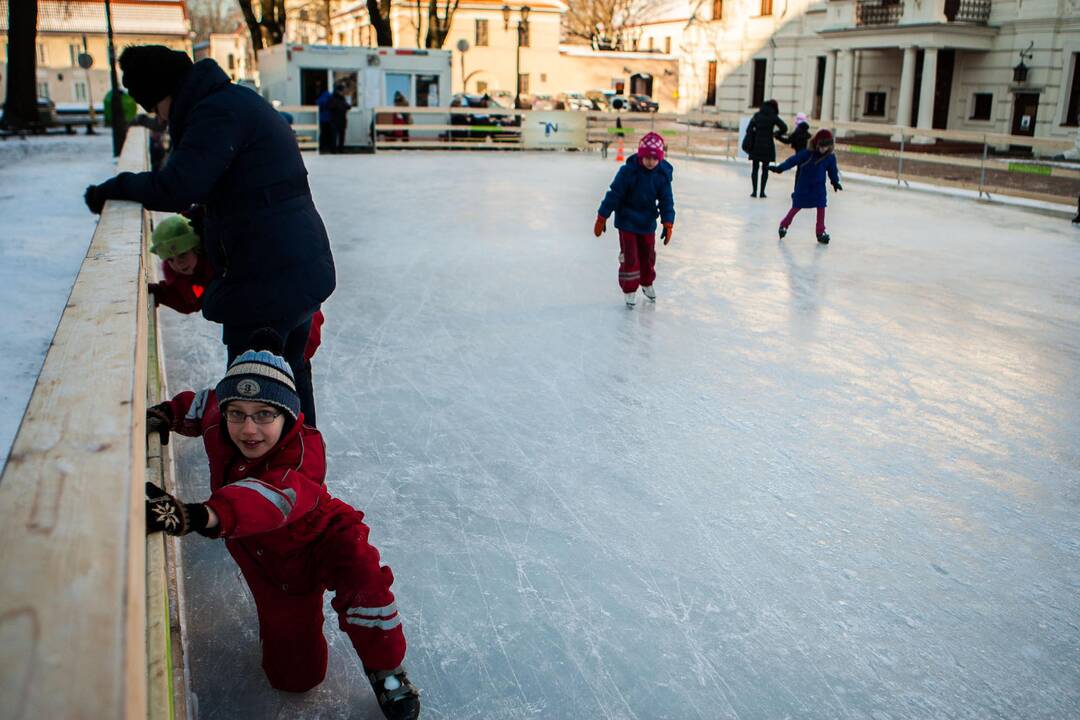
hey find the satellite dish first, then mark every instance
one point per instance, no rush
(86, 61)
(462, 45)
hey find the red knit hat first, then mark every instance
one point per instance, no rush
(821, 136)
(652, 145)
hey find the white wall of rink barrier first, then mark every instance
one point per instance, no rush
(85, 628)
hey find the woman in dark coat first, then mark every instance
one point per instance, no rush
(235, 154)
(758, 143)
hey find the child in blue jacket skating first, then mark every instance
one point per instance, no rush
(640, 192)
(814, 164)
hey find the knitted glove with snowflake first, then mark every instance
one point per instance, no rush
(164, 513)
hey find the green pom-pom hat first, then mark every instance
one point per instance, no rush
(173, 236)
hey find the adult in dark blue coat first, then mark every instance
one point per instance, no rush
(233, 153)
(758, 143)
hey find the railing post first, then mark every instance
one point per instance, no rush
(900, 160)
(982, 168)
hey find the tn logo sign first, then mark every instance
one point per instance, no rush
(549, 128)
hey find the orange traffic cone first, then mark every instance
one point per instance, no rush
(619, 156)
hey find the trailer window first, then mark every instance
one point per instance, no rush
(312, 84)
(427, 90)
(398, 83)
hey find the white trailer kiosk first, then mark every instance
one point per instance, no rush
(373, 77)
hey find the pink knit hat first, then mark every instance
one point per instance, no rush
(652, 145)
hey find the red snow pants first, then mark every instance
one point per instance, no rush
(288, 588)
(637, 260)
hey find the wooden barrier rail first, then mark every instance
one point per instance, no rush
(75, 641)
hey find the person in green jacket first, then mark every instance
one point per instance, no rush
(126, 101)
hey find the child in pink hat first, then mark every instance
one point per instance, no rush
(640, 192)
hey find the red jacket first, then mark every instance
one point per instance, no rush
(314, 338)
(281, 496)
(183, 293)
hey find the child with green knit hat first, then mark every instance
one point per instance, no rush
(185, 269)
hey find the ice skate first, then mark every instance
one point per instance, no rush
(398, 698)
(782, 232)
(649, 292)
(823, 238)
(631, 298)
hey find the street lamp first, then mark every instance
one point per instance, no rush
(522, 30)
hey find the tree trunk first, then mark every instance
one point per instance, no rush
(439, 27)
(20, 105)
(379, 12)
(254, 28)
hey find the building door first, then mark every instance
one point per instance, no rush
(641, 84)
(710, 97)
(1025, 109)
(943, 88)
(819, 88)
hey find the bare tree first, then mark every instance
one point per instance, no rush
(269, 27)
(379, 14)
(314, 12)
(602, 22)
(438, 26)
(20, 104)
(212, 16)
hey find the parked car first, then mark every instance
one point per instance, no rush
(600, 98)
(468, 100)
(579, 101)
(643, 103)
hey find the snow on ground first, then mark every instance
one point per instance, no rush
(809, 482)
(45, 230)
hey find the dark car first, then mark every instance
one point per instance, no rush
(485, 123)
(643, 103)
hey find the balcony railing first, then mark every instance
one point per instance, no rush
(878, 12)
(975, 12)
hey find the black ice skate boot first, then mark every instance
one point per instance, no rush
(398, 698)
(782, 232)
(823, 238)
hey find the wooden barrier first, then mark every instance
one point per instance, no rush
(74, 639)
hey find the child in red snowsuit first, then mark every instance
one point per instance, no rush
(187, 272)
(290, 537)
(640, 192)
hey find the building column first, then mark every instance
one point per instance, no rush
(926, 94)
(828, 94)
(907, 87)
(847, 88)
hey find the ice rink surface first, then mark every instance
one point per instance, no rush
(809, 482)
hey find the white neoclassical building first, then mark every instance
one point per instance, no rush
(1007, 66)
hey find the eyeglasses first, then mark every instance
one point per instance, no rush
(261, 417)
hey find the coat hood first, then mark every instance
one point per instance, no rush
(204, 78)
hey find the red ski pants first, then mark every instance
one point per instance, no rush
(637, 260)
(819, 228)
(288, 590)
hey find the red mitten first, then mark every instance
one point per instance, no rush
(666, 234)
(600, 226)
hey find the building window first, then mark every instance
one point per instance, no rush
(74, 50)
(523, 83)
(230, 61)
(41, 53)
(652, 44)
(710, 97)
(43, 89)
(543, 77)
(758, 96)
(80, 90)
(875, 104)
(667, 46)
(481, 87)
(1072, 114)
(481, 33)
(981, 106)
(766, 7)
(717, 9)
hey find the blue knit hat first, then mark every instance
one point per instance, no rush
(260, 376)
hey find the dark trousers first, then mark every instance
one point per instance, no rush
(339, 138)
(327, 137)
(237, 340)
(764, 175)
(637, 260)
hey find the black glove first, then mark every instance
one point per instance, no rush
(159, 419)
(95, 199)
(164, 513)
(836, 187)
(775, 169)
(196, 215)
